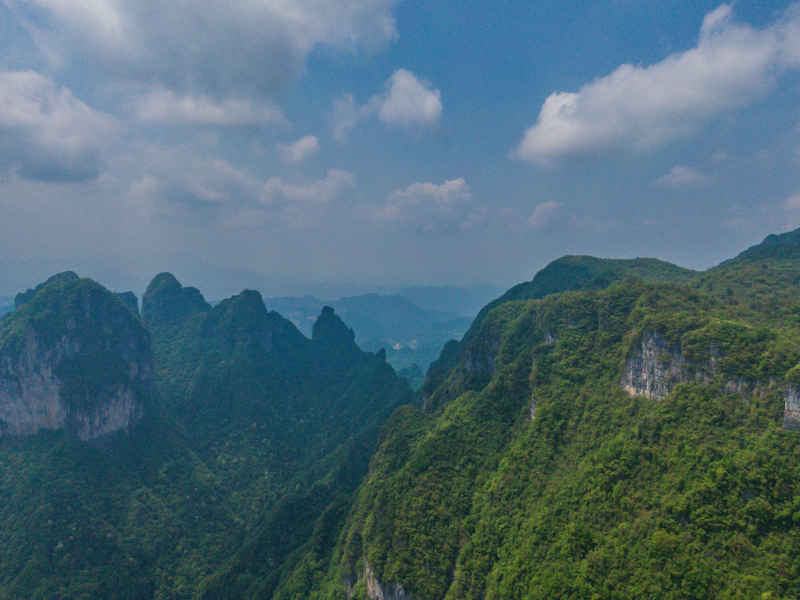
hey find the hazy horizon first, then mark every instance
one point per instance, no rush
(389, 143)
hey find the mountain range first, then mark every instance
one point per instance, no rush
(412, 336)
(609, 429)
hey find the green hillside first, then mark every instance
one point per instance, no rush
(253, 432)
(611, 429)
(533, 473)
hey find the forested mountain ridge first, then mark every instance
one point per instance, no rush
(247, 418)
(612, 429)
(73, 357)
(629, 441)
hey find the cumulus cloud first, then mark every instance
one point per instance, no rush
(300, 150)
(183, 182)
(409, 101)
(544, 213)
(207, 46)
(432, 207)
(46, 133)
(302, 204)
(166, 107)
(643, 106)
(682, 176)
(406, 101)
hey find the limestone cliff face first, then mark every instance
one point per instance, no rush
(791, 412)
(378, 591)
(73, 357)
(654, 368)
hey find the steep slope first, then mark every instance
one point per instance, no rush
(72, 357)
(616, 443)
(253, 431)
(561, 275)
(280, 421)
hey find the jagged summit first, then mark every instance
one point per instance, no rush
(57, 279)
(244, 316)
(330, 330)
(166, 300)
(72, 357)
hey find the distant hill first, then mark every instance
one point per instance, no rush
(410, 335)
(463, 301)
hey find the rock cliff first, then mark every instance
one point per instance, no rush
(655, 367)
(73, 357)
(378, 591)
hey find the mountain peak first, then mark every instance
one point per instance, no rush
(57, 279)
(332, 331)
(166, 300)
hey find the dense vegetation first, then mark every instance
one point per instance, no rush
(524, 470)
(532, 474)
(254, 432)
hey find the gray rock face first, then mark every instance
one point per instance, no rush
(654, 368)
(791, 411)
(86, 372)
(378, 591)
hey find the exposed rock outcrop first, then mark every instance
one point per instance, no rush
(73, 357)
(791, 411)
(654, 368)
(378, 591)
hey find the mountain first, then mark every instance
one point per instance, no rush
(412, 336)
(561, 275)
(72, 357)
(598, 435)
(610, 429)
(242, 434)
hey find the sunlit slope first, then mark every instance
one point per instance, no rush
(615, 443)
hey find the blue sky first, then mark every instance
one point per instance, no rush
(301, 145)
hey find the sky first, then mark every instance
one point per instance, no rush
(342, 146)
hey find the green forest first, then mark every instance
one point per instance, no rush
(610, 429)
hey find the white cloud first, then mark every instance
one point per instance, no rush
(634, 106)
(277, 191)
(682, 176)
(302, 204)
(46, 132)
(300, 150)
(406, 101)
(220, 49)
(166, 107)
(184, 182)
(345, 117)
(544, 213)
(432, 207)
(409, 101)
